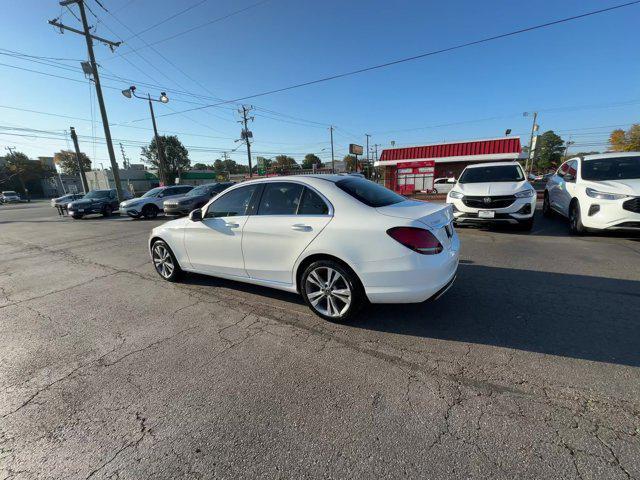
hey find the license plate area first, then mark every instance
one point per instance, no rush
(486, 214)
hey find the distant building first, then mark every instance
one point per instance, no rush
(135, 180)
(60, 184)
(410, 169)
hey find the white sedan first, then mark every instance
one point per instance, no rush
(337, 240)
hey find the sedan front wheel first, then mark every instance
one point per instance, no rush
(165, 262)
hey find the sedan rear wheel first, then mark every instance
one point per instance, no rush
(331, 291)
(165, 262)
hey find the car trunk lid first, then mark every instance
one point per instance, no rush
(438, 217)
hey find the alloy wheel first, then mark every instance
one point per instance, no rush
(328, 292)
(162, 261)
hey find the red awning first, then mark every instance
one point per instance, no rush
(495, 148)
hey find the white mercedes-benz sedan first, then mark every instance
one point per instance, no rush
(339, 241)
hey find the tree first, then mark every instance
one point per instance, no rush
(628, 141)
(311, 159)
(19, 170)
(202, 166)
(350, 162)
(549, 150)
(66, 160)
(283, 163)
(175, 154)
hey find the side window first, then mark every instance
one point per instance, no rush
(280, 198)
(440, 181)
(112, 194)
(562, 171)
(232, 204)
(312, 204)
(181, 190)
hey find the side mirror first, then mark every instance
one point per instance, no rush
(569, 178)
(195, 215)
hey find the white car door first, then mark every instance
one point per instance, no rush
(214, 245)
(289, 216)
(564, 186)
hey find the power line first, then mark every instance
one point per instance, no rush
(184, 32)
(168, 18)
(426, 54)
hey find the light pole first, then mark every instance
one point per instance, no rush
(566, 147)
(534, 128)
(162, 164)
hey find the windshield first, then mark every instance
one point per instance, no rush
(153, 192)
(98, 194)
(201, 190)
(620, 168)
(501, 173)
(368, 192)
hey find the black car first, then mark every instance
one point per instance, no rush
(196, 198)
(104, 202)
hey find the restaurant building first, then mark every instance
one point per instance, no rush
(410, 169)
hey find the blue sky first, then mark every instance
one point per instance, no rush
(583, 76)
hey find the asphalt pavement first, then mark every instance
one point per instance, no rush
(529, 367)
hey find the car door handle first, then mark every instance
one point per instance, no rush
(231, 225)
(301, 227)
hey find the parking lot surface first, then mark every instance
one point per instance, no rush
(527, 368)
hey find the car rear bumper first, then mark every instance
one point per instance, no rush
(413, 278)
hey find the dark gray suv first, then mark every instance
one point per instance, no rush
(196, 198)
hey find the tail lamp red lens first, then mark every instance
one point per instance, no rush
(417, 239)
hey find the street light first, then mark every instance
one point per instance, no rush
(131, 92)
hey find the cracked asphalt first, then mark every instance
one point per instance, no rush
(527, 368)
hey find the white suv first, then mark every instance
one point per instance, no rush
(152, 202)
(596, 192)
(493, 193)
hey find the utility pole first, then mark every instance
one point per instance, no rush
(375, 146)
(529, 163)
(83, 177)
(333, 160)
(246, 134)
(96, 79)
(367, 135)
(162, 164)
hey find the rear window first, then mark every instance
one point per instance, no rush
(501, 173)
(368, 192)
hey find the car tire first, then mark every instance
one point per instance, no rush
(150, 211)
(546, 206)
(575, 219)
(107, 211)
(164, 261)
(318, 289)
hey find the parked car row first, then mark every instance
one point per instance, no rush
(173, 200)
(594, 192)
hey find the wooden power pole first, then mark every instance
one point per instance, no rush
(96, 79)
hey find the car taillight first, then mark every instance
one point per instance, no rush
(417, 239)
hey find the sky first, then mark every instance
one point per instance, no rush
(583, 77)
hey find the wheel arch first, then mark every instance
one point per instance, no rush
(314, 257)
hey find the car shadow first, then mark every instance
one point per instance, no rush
(577, 316)
(207, 281)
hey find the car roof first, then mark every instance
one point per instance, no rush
(492, 164)
(309, 179)
(610, 155)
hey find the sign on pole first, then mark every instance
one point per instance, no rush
(355, 149)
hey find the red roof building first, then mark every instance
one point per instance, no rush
(442, 160)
